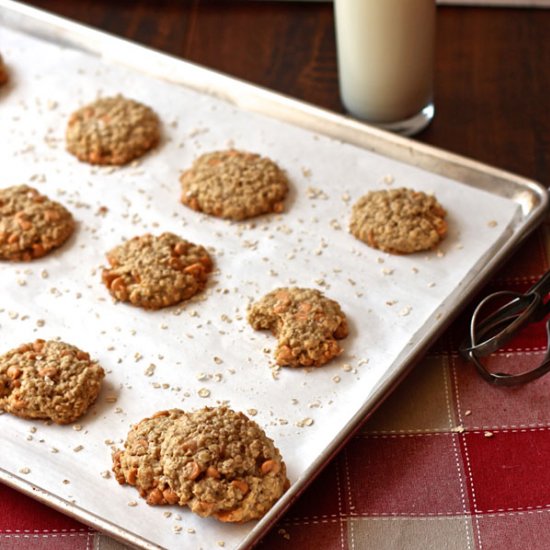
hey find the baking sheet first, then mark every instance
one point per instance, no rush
(392, 302)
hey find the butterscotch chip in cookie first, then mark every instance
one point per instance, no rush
(112, 130)
(31, 224)
(400, 221)
(234, 185)
(216, 461)
(306, 323)
(155, 272)
(3, 72)
(49, 380)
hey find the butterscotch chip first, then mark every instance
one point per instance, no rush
(50, 380)
(31, 224)
(234, 185)
(216, 461)
(155, 272)
(112, 130)
(306, 323)
(3, 72)
(400, 221)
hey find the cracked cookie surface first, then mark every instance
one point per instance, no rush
(49, 380)
(233, 184)
(31, 224)
(153, 272)
(112, 131)
(216, 461)
(399, 221)
(306, 323)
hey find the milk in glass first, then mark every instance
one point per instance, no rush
(385, 58)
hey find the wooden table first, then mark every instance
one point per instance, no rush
(492, 103)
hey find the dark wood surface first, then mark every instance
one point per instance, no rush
(492, 87)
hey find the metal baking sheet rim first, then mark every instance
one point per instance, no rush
(529, 195)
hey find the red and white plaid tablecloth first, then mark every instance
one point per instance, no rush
(448, 462)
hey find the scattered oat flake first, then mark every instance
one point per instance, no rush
(77, 427)
(167, 514)
(78, 448)
(458, 429)
(405, 311)
(316, 193)
(468, 412)
(305, 422)
(336, 379)
(177, 528)
(488, 434)
(190, 530)
(492, 223)
(252, 412)
(132, 503)
(221, 543)
(24, 470)
(105, 474)
(204, 392)
(218, 360)
(150, 370)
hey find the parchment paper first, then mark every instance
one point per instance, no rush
(206, 343)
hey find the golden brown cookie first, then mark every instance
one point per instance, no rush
(306, 323)
(235, 185)
(400, 221)
(139, 463)
(155, 272)
(31, 224)
(112, 130)
(48, 380)
(3, 72)
(216, 461)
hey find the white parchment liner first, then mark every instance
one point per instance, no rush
(386, 298)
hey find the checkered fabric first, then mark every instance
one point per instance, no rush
(448, 462)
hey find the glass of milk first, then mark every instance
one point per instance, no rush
(385, 61)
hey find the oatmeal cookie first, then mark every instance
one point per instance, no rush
(48, 380)
(155, 272)
(306, 323)
(139, 464)
(3, 72)
(31, 224)
(112, 130)
(216, 461)
(235, 185)
(400, 221)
